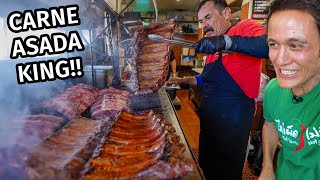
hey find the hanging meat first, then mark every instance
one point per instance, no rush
(150, 60)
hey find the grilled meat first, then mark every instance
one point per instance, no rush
(150, 60)
(64, 155)
(110, 102)
(73, 101)
(139, 147)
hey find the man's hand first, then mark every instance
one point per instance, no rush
(174, 80)
(210, 45)
(191, 80)
(270, 139)
(267, 174)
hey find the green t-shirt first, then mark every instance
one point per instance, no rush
(298, 126)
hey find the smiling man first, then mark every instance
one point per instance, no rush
(292, 100)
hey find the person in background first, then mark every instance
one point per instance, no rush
(292, 100)
(229, 83)
(173, 73)
(173, 65)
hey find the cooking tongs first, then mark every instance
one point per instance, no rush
(178, 41)
(158, 38)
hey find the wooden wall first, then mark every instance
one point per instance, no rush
(177, 49)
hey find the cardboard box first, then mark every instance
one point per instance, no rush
(185, 51)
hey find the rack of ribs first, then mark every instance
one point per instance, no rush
(71, 102)
(150, 60)
(64, 155)
(110, 103)
(137, 147)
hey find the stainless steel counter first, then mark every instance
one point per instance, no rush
(161, 103)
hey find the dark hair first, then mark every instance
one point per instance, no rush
(310, 6)
(219, 4)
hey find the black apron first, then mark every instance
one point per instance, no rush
(226, 114)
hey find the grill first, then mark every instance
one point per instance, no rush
(161, 104)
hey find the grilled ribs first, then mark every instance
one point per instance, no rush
(139, 147)
(64, 155)
(73, 101)
(150, 60)
(110, 102)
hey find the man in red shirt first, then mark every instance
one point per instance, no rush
(229, 84)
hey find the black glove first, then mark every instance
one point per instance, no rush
(253, 46)
(210, 45)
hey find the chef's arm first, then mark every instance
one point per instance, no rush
(254, 46)
(270, 139)
(191, 80)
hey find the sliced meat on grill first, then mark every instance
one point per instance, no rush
(120, 149)
(150, 60)
(64, 155)
(108, 168)
(135, 143)
(110, 102)
(148, 140)
(71, 102)
(138, 147)
(136, 134)
(136, 118)
(112, 90)
(172, 168)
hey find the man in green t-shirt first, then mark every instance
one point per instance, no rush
(292, 100)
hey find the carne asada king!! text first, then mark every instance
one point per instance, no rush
(45, 44)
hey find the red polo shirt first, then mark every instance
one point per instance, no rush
(244, 69)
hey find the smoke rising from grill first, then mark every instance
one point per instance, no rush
(21, 100)
(17, 100)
